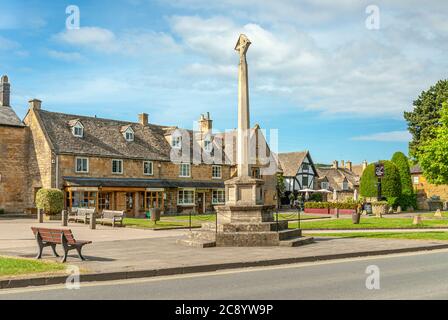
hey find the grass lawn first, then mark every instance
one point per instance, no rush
(430, 235)
(145, 223)
(374, 223)
(17, 266)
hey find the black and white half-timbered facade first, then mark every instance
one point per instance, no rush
(299, 172)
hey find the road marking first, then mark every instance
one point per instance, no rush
(218, 273)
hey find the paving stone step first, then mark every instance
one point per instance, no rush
(296, 242)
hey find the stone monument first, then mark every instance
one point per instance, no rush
(244, 220)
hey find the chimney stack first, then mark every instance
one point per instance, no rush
(143, 119)
(349, 165)
(205, 123)
(335, 164)
(5, 89)
(35, 104)
(364, 165)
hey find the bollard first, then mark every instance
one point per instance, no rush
(40, 215)
(93, 221)
(64, 218)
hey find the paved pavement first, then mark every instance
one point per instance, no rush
(16, 233)
(416, 276)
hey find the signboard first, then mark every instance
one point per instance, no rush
(379, 170)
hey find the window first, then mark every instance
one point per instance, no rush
(416, 180)
(345, 185)
(256, 173)
(208, 145)
(216, 172)
(218, 196)
(305, 182)
(147, 168)
(325, 185)
(78, 130)
(176, 141)
(82, 165)
(185, 197)
(117, 166)
(129, 136)
(185, 170)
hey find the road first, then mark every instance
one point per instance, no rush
(405, 276)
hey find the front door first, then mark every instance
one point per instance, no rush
(201, 203)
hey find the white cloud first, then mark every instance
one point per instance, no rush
(392, 136)
(130, 42)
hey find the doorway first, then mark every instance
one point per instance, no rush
(201, 203)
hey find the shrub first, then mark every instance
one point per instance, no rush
(408, 198)
(50, 200)
(391, 182)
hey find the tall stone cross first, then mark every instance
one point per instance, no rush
(243, 108)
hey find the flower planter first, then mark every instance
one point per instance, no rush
(317, 210)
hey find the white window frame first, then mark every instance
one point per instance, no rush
(416, 180)
(152, 168)
(130, 132)
(80, 127)
(213, 172)
(76, 164)
(122, 166)
(215, 199)
(181, 171)
(176, 141)
(180, 200)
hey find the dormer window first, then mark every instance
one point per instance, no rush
(128, 133)
(208, 145)
(77, 128)
(176, 141)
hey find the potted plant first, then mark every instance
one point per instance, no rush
(51, 201)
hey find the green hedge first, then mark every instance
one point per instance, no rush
(331, 205)
(50, 200)
(391, 182)
(407, 198)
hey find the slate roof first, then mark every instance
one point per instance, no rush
(103, 137)
(143, 183)
(9, 118)
(416, 169)
(290, 163)
(337, 176)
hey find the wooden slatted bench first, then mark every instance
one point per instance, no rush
(112, 217)
(46, 237)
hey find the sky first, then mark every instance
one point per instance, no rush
(333, 77)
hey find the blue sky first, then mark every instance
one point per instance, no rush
(317, 74)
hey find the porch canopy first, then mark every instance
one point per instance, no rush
(140, 183)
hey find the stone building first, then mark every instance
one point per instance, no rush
(111, 164)
(429, 195)
(344, 178)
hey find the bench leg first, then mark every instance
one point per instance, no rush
(78, 249)
(53, 247)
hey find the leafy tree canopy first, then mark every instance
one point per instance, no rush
(434, 156)
(425, 116)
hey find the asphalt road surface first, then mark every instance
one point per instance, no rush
(406, 276)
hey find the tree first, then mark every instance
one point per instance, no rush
(434, 156)
(50, 200)
(407, 198)
(425, 116)
(390, 183)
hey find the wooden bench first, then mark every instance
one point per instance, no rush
(81, 214)
(51, 237)
(112, 217)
